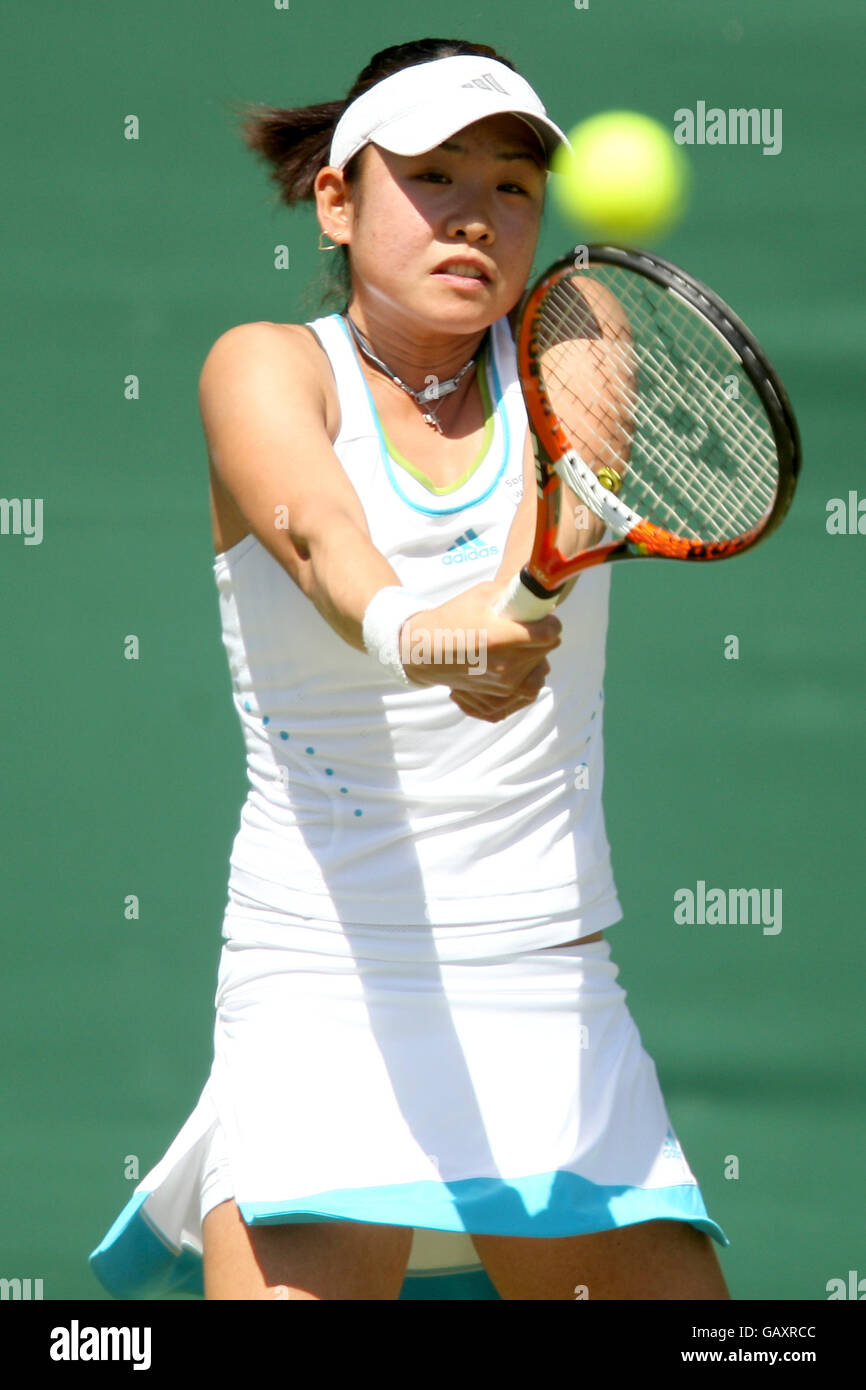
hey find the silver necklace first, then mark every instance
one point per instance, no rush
(433, 392)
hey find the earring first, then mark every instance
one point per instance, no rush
(326, 248)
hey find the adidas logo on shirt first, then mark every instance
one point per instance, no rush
(468, 547)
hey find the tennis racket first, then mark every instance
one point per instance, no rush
(660, 428)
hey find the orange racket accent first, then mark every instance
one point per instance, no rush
(654, 540)
(546, 426)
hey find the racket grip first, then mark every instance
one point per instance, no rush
(521, 603)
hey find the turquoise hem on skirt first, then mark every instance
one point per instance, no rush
(135, 1261)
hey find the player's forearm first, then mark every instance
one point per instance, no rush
(340, 573)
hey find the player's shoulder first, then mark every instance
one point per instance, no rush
(285, 356)
(263, 341)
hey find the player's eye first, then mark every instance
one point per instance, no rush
(441, 178)
(436, 175)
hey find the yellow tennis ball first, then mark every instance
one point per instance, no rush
(628, 179)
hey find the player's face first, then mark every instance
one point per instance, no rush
(478, 196)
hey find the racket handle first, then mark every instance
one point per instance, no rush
(521, 603)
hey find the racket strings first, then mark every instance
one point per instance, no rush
(667, 486)
(651, 389)
(748, 443)
(715, 491)
(665, 438)
(707, 490)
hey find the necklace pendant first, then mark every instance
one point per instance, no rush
(431, 420)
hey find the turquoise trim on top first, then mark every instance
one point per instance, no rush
(133, 1261)
(386, 458)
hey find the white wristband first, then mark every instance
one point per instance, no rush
(386, 613)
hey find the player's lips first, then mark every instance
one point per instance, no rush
(463, 268)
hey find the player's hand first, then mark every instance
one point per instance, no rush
(493, 664)
(494, 708)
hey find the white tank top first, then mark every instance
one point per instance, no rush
(376, 805)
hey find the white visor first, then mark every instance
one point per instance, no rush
(417, 108)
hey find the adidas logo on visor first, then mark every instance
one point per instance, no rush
(487, 82)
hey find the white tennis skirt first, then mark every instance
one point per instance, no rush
(503, 1095)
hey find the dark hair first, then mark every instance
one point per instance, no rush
(296, 142)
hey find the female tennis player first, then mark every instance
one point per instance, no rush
(420, 1042)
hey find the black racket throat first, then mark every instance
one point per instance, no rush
(532, 584)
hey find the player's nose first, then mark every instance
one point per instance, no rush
(473, 228)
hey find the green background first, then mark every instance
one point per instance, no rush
(127, 776)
